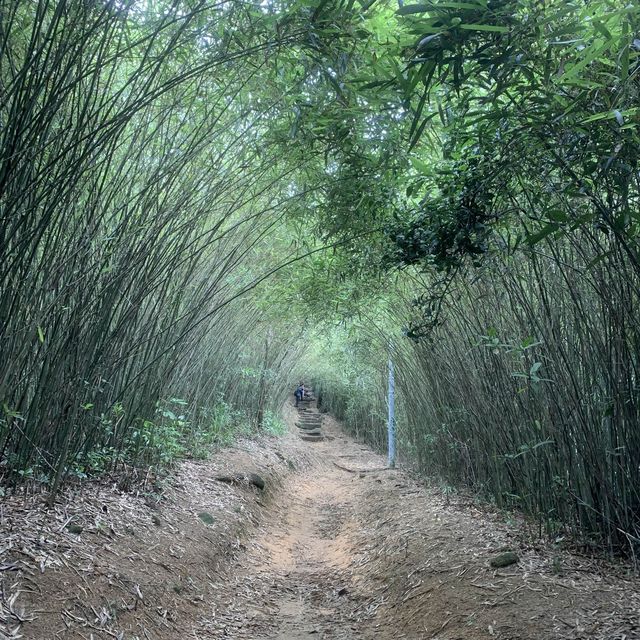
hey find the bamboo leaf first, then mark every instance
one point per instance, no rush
(624, 56)
(547, 230)
(484, 27)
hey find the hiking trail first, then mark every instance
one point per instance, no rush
(336, 547)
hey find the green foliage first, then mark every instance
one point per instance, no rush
(216, 427)
(138, 188)
(155, 443)
(348, 371)
(273, 424)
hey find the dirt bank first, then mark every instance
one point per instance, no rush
(335, 547)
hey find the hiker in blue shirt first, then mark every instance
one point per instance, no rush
(299, 393)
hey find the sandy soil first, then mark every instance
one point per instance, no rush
(336, 547)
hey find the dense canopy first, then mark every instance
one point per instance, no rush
(203, 202)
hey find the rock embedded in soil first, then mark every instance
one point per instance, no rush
(504, 559)
(206, 517)
(252, 478)
(75, 528)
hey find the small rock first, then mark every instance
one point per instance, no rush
(207, 518)
(504, 559)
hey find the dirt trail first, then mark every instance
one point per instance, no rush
(295, 581)
(336, 547)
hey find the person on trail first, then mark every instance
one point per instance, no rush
(299, 393)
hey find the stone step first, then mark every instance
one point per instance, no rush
(307, 428)
(307, 438)
(310, 432)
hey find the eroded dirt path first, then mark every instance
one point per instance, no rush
(295, 581)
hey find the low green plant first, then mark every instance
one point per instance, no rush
(273, 424)
(156, 444)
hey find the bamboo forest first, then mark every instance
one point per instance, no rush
(320, 319)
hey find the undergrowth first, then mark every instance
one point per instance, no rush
(179, 431)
